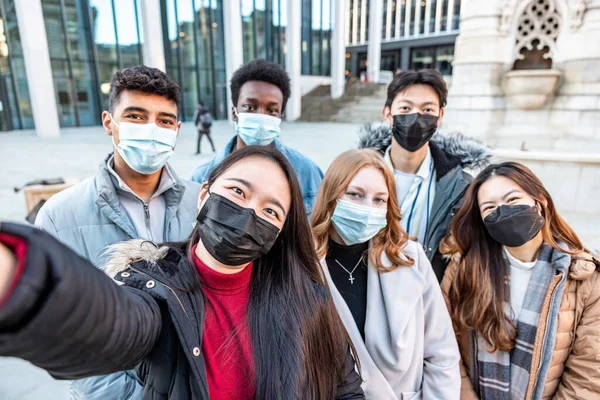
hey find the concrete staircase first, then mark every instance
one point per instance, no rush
(361, 103)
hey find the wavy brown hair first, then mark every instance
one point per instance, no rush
(478, 291)
(390, 239)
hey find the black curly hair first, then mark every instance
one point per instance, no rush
(263, 71)
(142, 79)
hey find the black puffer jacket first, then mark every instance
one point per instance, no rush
(69, 318)
(451, 154)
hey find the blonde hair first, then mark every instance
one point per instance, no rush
(390, 239)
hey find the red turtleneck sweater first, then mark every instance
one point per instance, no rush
(226, 341)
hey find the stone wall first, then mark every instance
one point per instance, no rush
(485, 52)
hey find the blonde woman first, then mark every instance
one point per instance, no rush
(382, 284)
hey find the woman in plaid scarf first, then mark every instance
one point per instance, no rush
(523, 293)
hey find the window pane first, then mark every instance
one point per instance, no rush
(432, 18)
(422, 58)
(444, 19)
(259, 23)
(86, 92)
(423, 5)
(187, 54)
(443, 60)
(402, 16)
(104, 30)
(456, 17)
(326, 40)
(248, 29)
(54, 29)
(127, 31)
(79, 30)
(14, 92)
(413, 10)
(62, 86)
(306, 38)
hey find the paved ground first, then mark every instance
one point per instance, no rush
(77, 153)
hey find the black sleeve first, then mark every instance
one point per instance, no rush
(69, 318)
(350, 389)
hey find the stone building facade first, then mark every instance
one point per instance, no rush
(527, 74)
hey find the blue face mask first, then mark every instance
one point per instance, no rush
(257, 129)
(145, 147)
(356, 223)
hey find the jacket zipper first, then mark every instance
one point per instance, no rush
(147, 213)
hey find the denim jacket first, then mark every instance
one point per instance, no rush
(308, 173)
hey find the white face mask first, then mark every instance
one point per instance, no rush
(257, 129)
(145, 147)
(356, 223)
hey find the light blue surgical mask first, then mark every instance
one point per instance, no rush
(257, 129)
(145, 147)
(356, 223)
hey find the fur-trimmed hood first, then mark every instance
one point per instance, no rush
(471, 153)
(118, 256)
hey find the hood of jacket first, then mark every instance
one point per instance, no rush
(118, 257)
(468, 152)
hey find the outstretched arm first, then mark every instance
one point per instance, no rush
(64, 315)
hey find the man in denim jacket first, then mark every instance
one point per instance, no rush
(260, 90)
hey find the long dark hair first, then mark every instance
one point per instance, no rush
(299, 344)
(477, 293)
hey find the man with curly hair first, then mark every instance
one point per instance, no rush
(135, 193)
(260, 90)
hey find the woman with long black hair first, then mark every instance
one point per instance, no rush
(240, 310)
(523, 293)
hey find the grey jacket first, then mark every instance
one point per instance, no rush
(87, 218)
(451, 153)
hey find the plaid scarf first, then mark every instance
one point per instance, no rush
(505, 375)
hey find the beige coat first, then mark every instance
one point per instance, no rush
(575, 367)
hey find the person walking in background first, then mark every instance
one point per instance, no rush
(239, 310)
(260, 91)
(382, 284)
(523, 293)
(135, 194)
(203, 122)
(429, 167)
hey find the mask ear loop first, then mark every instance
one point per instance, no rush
(113, 136)
(199, 205)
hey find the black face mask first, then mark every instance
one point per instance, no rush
(513, 226)
(412, 131)
(232, 234)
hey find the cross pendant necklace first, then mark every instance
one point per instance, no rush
(351, 278)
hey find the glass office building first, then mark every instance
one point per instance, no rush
(194, 46)
(88, 40)
(15, 110)
(415, 34)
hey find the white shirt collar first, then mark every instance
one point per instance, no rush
(424, 170)
(515, 262)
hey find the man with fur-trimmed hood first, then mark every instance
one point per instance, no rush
(428, 166)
